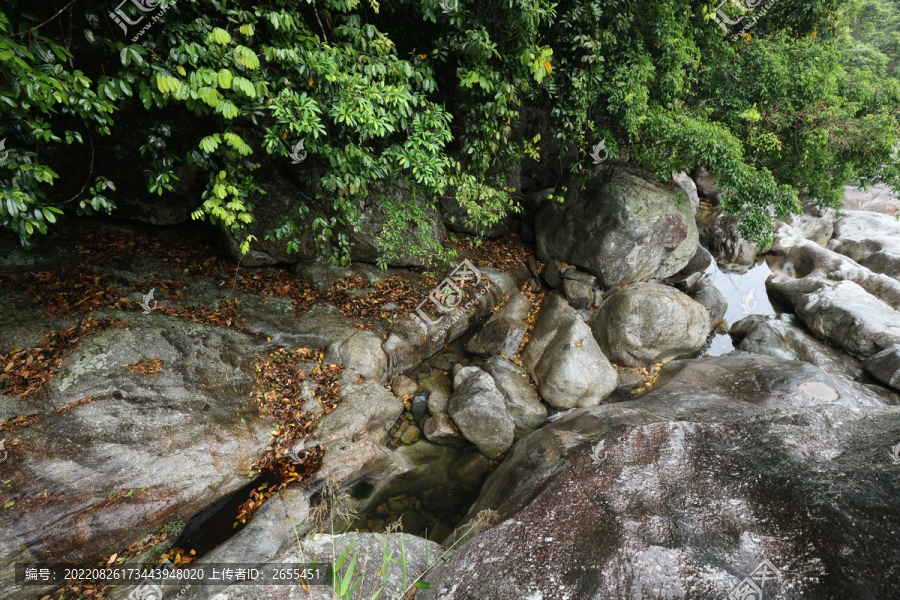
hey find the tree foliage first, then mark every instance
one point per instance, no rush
(431, 103)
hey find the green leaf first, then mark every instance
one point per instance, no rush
(224, 79)
(219, 36)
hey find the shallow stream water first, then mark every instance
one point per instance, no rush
(745, 292)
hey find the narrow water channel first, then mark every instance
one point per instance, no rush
(745, 292)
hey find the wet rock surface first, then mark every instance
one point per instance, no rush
(841, 312)
(142, 449)
(687, 490)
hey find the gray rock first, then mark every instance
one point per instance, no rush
(706, 435)
(362, 353)
(522, 403)
(178, 435)
(550, 273)
(322, 325)
(479, 411)
(688, 186)
(841, 312)
(402, 385)
(500, 335)
(620, 226)
(698, 264)
(647, 323)
(439, 430)
(517, 307)
(879, 197)
(408, 344)
(503, 332)
(784, 338)
(619, 535)
(704, 292)
(814, 229)
(419, 405)
(799, 258)
(438, 401)
(719, 232)
(886, 366)
(565, 360)
(871, 239)
(578, 288)
(707, 186)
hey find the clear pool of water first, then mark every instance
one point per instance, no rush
(746, 295)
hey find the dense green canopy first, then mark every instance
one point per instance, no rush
(432, 95)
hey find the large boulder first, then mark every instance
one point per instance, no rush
(702, 291)
(812, 228)
(647, 323)
(707, 186)
(117, 452)
(621, 226)
(685, 492)
(578, 287)
(565, 360)
(841, 312)
(785, 338)
(479, 410)
(871, 239)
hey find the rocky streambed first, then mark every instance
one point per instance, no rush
(661, 411)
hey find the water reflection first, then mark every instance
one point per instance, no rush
(746, 295)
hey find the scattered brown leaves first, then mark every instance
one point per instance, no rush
(74, 404)
(397, 289)
(505, 254)
(21, 420)
(310, 461)
(71, 288)
(146, 366)
(26, 372)
(280, 376)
